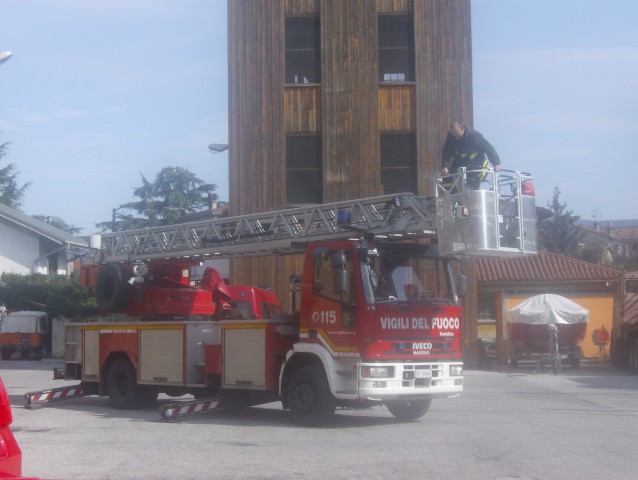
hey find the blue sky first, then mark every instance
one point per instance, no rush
(99, 92)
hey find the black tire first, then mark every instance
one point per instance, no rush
(112, 291)
(309, 397)
(25, 353)
(575, 361)
(406, 410)
(121, 385)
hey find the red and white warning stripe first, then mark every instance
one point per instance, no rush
(190, 408)
(55, 394)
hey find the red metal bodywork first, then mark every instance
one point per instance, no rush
(166, 289)
(422, 331)
(10, 453)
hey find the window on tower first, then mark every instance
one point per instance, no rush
(398, 162)
(303, 47)
(396, 48)
(303, 170)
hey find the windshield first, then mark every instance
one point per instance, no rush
(409, 278)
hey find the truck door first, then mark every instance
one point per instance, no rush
(331, 310)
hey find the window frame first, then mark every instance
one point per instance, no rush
(403, 172)
(302, 62)
(313, 174)
(390, 48)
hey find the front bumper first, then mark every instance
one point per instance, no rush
(411, 380)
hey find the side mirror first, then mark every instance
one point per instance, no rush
(338, 260)
(340, 281)
(338, 263)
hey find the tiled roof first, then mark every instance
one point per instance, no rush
(545, 266)
(618, 234)
(626, 233)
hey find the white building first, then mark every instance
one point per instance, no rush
(28, 245)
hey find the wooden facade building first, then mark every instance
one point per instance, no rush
(339, 99)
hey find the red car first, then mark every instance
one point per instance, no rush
(10, 453)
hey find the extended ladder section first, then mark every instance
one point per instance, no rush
(390, 216)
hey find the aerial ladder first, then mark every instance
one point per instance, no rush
(467, 222)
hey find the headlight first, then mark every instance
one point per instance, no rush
(456, 370)
(377, 372)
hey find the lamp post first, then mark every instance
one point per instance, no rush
(4, 56)
(216, 148)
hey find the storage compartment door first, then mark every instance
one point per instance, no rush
(244, 358)
(91, 355)
(162, 356)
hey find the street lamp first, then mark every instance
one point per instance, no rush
(4, 56)
(216, 148)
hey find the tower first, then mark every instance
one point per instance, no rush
(339, 99)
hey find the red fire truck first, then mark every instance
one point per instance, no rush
(378, 320)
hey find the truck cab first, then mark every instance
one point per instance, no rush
(381, 321)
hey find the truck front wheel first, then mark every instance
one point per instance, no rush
(123, 390)
(309, 397)
(408, 409)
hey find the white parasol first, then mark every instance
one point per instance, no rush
(548, 309)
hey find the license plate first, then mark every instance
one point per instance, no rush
(423, 374)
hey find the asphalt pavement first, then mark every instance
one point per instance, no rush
(507, 424)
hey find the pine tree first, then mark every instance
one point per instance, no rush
(11, 193)
(560, 233)
(174, 193)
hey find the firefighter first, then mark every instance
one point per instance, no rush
(465, 147)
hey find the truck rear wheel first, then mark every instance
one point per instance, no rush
(309, 397)
(123, 390)
(408, 409)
